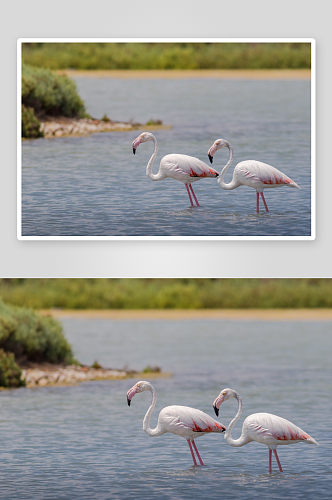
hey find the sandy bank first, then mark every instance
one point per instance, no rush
(64, 127)
(179, 314)
(228, 74)
(46, 374)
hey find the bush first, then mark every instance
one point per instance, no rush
(32, 337)
(30, 124)
(50, 94)
(10, 372)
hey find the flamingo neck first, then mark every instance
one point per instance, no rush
(146, 422)
(221, 182)
(158, 176)
(228, 435)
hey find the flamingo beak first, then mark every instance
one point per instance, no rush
(210, 158)
(216, 410)
(130, 394)
(134, 150)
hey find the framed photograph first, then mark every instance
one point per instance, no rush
(238, 115)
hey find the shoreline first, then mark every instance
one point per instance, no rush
(46, 374)
(73, 127)
(192, 314)
(227, 74)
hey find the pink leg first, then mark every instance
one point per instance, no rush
(192, 453)
(270, 457)
(198, 455)
(265, 205)
(257, 202)
(191, 201)
(278, 461)
(194, 195)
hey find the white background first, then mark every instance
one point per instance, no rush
(170, 18)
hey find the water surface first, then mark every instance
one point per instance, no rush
(84, 442)
(94, 186)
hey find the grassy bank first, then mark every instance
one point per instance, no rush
(26, 336)
(46, 93)
(149, 56)
(84, 293)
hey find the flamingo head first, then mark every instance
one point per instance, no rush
(223, 396)
(144, 137)
(140, 386)
(218, 144)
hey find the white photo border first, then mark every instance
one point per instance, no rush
(311, 237)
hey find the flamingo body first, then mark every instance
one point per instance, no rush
(183, 421)
(183, 168)
(273, 431)
(259, 175)
(187, 422)
(252, 173)
(264, 428)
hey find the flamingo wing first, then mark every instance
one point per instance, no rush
(266, 426)
(187, 165)
(252, 171)
(183, 418)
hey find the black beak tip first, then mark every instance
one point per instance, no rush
(128, 401)
(217, 175)
(134, 150)
(216, 411)
(210, 158)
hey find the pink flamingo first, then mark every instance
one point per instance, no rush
(250, 173)
(186, 422)
(262, 427)
(186, 169)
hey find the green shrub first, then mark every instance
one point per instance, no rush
(30, 124)
(32, 337)
(10, 372)
(50, 94)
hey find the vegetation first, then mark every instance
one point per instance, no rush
(154, 122)
(30, 124)
(10, 372)
(32, 337)
(151, 369)
(185, 55)
(50, 94)
(86, 293)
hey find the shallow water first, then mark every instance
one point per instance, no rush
(84, 442)
(94, 186)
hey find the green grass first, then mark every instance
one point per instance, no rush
(84, 293)
(90, 56)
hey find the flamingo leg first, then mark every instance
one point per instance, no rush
(278, 461)
(191, 201)
(192, 453)
(191, 188)
(265, 205)
(257, 202)
(198, 455)
(270, 457)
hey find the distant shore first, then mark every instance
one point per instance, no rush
(181, 314)
(227, 74)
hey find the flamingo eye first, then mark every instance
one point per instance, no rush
(224, 393)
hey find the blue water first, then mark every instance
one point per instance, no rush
(95, 186)
(83, 442)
